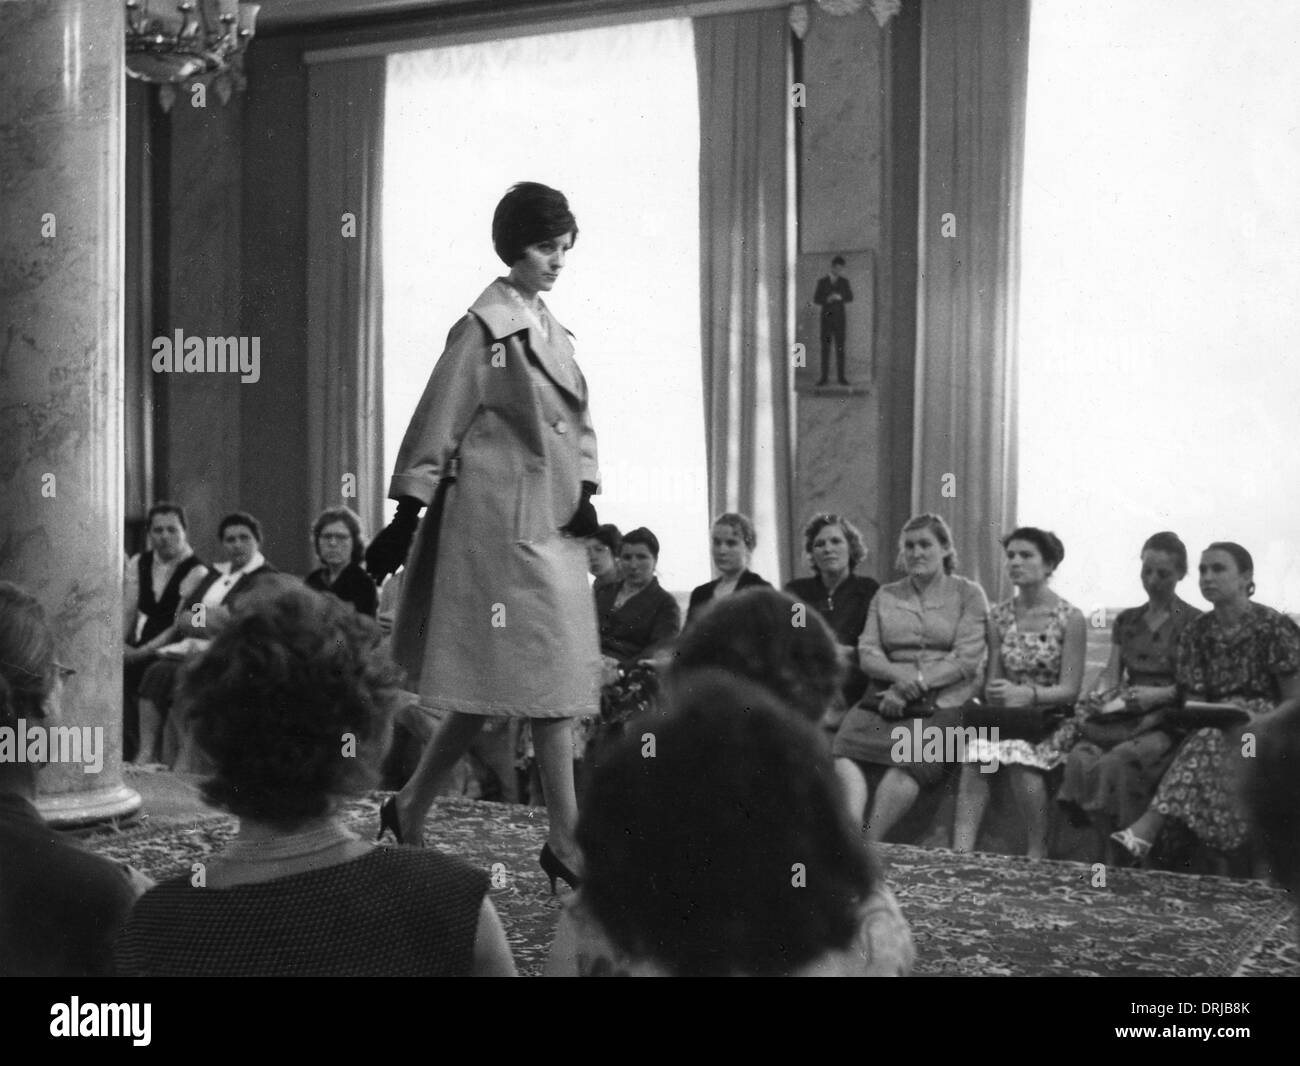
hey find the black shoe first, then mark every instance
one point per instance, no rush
(844, 383)
(822, 384)
(388, 820)
(554, 868)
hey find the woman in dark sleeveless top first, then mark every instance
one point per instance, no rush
(296, 893)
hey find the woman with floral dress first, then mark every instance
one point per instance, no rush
(1037, 643)
(1242, 653)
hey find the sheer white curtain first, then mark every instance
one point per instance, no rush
(610, 117)
(1159, 340)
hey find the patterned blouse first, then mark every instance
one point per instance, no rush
(1031, 658)
(1246, 664)
(1150, 657)
(946, 624)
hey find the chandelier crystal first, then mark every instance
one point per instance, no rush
(171, 41)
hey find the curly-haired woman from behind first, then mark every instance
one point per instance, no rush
(291, 704)
(718, 845)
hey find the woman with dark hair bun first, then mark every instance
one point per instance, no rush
(728, 854)
(1037, 644)
(1112, 771)
(340, 546)
(1241, 653)
(291, 706)
(835, 549)
(495, 616)
(759, 635)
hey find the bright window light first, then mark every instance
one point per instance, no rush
(610, 117)
(1159, 335)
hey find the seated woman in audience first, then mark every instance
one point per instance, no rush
(158, 581)
(290, 703)
(733, 541)
(1112, 772)
(1241, 653)
(924, 645)
(834, 548)
(603, 549)
(60, 906)
(340, 546)
(753, 635)
(201, 617)
(637, 618)
(727, 854)
(1037, 644)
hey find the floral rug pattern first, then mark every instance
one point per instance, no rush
(971, 915)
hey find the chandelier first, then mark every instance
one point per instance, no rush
(170, 41)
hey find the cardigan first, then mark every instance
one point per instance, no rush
(396, 912)
(701, 595)
(352, 586)
(60, 906)
(636, 629)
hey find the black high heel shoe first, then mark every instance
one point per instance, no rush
(554, 868)
(388, 820)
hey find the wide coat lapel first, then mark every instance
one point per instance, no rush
(504, 318)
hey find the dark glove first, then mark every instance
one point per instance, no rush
(388, 550)
(584, 522)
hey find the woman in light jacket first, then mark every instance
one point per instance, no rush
(495, 614)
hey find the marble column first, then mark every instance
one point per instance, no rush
(61, 234)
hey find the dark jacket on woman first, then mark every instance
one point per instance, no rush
(353, 586)
(636, 629)
(845, 611)
(701, 596)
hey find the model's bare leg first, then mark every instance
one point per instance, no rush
(150, 733)
(553, 745)
(1030, 788)
(894, 798)
(972, 799)
(853, 783)
(440, 755)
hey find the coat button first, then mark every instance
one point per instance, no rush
(561, 427)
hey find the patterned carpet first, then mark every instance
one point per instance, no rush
(980, 915)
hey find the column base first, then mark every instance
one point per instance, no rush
(73, 810)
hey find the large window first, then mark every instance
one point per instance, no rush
(609, 116)
(1160, 336)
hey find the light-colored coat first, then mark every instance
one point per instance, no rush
(500, 623)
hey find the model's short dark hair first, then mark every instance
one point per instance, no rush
(167, 507)
(1048, 543)
(349, 518)
(291, 703)
(1171, 544)
(609, 536)
(767, 637)
(530, 213)
(690, 854)
(838, 261)
(818, 522)
(641, 535)
(741, 524)
(240, 518)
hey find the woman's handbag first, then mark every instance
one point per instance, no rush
(1106, 723)
(1034, 723)
(921, 707)
(633, 691)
